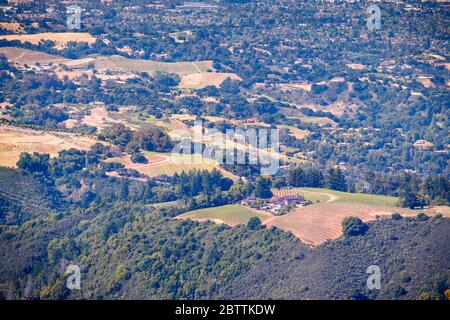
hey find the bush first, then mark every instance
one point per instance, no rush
(353, 226)
(262, 189)
(138, 158)
(254, 223)
(422, 217)
(396, 216)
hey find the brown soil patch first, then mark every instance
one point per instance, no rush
(24, 56)
(98, 118)
(73, 75)
(14, 140)
(201, 80)
(356, 66)
(61, 39)
(316, 224)
(15, 27)
(426, 82)
(295, 86)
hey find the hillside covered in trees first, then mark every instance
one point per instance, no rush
(128, 250)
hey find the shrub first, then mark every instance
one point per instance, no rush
(138, 158)
(254, 223)
(422, 217)
(396, 216)
(353, 226)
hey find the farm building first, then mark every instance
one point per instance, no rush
(275, 204)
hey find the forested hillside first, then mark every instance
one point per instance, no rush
(129, 250)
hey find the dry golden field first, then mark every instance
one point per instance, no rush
(201, 80)
(169, 164)
(14, 141)
(15, 27)
(30, 57)
(61, 39)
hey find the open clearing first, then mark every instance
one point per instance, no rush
(14, 140)
(354, 198)
(295, 132)
(15, 27)
(97, 117)
(356, 66)
(168, 164)
(425, 81)
(61, 39)
(318, 120)
(231, 215)
(314, 197)
(194, 75)
(295, 86)
(317, 223)
(117, 63)
(30, 57)
(201, 80)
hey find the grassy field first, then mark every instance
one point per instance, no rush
(30, 57)
(318, 120)
(194, 74)
(321, 221)
(201, 80)
(15, 27)
(313, 196)
(61, 39)
(13, 141)
(296, 132)
(356, 198)
(321, 195)
(168, 164)
(164, 204)
(123, 64)
(229, 214)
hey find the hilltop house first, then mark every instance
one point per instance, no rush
(275, 204)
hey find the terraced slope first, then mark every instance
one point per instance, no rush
(317, 223)
(61, 39)
(231, 215)
(34, 198)
(30, 57)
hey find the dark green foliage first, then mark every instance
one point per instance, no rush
(254, 223)
(149, 139)
(35, 164)
(72, 160)
(24, 197)
(138, 158)
(353, 226)
(422, 217)
(396, 216)
(128, 250)
(308, 177)
(262, 188)
(337, 270)
(336, 180)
